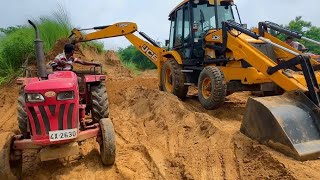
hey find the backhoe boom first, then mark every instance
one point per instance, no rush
(127, 29)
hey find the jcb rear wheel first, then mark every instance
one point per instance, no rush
(108, 142)
(173, 79)
(212, 88)
(10, 168)
(100, 103)
(22, 114)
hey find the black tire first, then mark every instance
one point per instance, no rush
(22, 114)
(100, 103)
(214, 96)
(108, 142)
(176, 79)
(9, 169)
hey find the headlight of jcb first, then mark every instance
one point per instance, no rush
(67, 95)
(35, 97)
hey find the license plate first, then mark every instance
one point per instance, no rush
(63, 135)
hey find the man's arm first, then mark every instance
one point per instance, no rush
(79, 61)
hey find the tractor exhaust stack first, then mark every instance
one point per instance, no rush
(39, 53)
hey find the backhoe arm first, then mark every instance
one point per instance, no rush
(115, 30)
(150, 51)
(149, 47)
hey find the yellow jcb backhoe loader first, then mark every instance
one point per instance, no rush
(210, 50)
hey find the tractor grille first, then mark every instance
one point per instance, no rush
(51, 117)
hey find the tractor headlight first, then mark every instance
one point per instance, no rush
(67, 95)
(35, 97)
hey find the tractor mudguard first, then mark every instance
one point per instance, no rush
(289, 123)
(94, 78)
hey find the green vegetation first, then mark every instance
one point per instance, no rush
(17, 43)
(133, 59)
(132, 66)
(307, 30)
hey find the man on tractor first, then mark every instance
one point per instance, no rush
(64, 61)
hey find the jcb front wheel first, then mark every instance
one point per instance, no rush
(212, 88)
(173, 79)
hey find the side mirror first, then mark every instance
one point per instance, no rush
(195, 27)
(167, 42)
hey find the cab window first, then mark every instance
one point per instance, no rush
(179, 29)
(171, 34)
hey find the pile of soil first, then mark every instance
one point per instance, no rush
(57, 48)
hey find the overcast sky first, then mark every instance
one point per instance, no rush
(150, 15)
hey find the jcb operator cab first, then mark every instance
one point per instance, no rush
(190, 22)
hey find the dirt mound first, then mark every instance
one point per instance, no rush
(109, 59)
(185, 144)
(56, 49)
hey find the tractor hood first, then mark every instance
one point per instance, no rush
(64, 80)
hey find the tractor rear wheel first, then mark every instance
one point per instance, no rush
(22, 114)
(10, 168)
(108, 142)
(173, 79)
(100, 103)
(212, 88)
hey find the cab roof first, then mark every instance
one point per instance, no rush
(186, 1)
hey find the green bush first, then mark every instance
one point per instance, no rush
(14, 48)
(17, 43)
(131, 55)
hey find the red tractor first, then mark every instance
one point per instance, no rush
(53, 116)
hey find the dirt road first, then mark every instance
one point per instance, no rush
(161, 137)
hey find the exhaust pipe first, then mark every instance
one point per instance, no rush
(39, 53)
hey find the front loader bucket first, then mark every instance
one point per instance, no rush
(289, 123)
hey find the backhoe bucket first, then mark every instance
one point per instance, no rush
(289, 123)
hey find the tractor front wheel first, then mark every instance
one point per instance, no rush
(10, 162)
(107, 142)
(100, 103)
(212, 88)
(173, 79)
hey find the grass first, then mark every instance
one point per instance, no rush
(132, 67)
(17, 43)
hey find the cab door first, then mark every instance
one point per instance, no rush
(180, 36)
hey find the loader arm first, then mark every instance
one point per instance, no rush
(263, 31)
(290, 122)
(264, 26)
(147, 47)
(243, 50)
